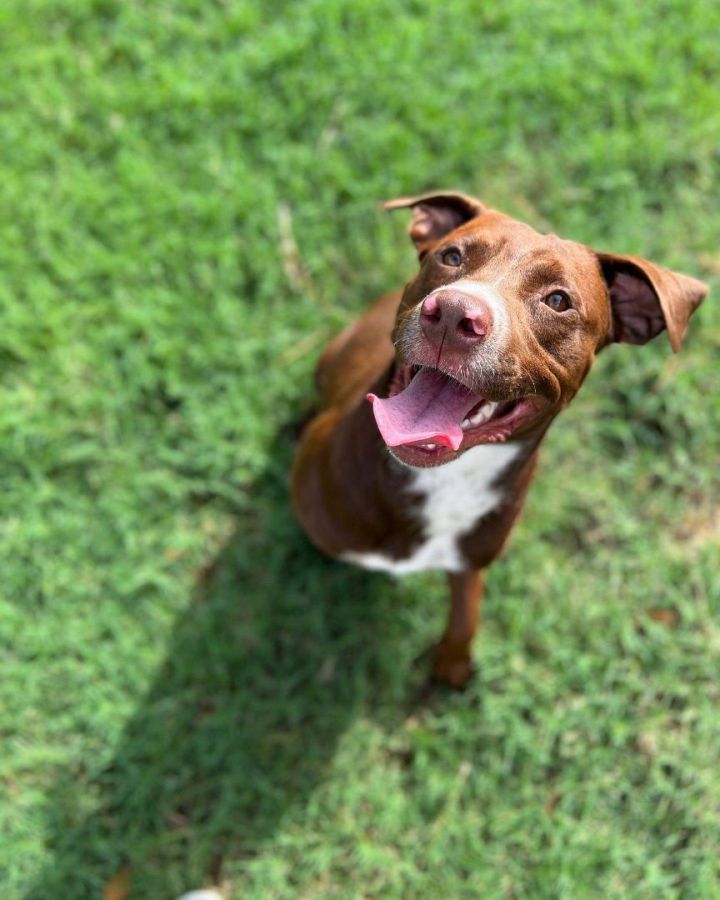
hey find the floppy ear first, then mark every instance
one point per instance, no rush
(436, 214)
(646, 299)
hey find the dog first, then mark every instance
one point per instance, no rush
(434, 403)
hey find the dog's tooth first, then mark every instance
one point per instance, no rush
(465, 423)
(484, 413)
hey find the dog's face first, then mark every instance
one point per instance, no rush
(501, 324)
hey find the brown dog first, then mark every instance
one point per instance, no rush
(485, 346)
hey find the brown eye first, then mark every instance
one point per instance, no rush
(558, 301)
(451, 257)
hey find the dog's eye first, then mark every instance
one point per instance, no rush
(558, 301)
(451, 257)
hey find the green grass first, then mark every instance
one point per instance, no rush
(187, 688)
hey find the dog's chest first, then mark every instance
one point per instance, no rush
(453, 498)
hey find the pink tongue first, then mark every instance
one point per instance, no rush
(429, 410)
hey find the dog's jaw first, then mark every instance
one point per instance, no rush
(486, 421)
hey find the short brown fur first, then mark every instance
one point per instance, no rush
(351, 494)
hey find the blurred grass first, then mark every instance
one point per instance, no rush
(187, 688)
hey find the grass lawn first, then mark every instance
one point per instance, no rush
(189, 694)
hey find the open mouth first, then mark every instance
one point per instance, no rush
(431, 417)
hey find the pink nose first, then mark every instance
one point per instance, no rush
(457, 317)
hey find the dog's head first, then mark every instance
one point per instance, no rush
(501, 324)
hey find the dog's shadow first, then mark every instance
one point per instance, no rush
(272, 660)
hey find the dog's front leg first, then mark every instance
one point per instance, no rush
(453, 660)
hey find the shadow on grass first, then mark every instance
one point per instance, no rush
(275, 656)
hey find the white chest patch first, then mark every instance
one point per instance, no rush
(455, 497)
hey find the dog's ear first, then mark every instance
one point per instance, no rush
(647, 299)
(436, 214)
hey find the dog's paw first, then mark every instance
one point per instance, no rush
(452, 669)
